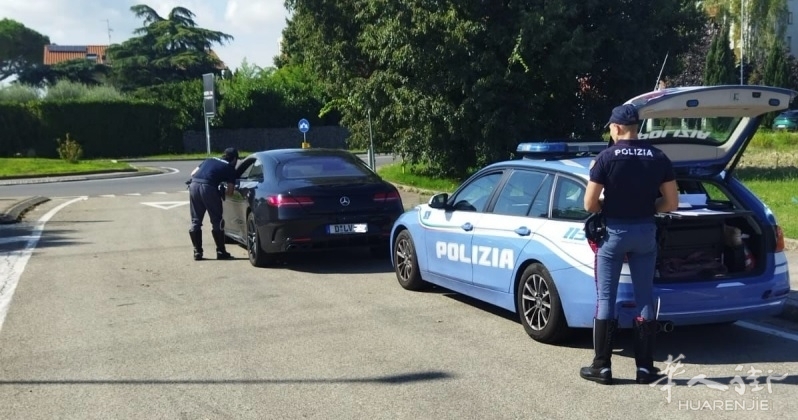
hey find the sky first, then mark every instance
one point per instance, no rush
(256, 25)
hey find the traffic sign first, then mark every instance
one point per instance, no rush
(304, 125)
(209, 94)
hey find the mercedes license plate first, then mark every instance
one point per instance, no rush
(347, 228)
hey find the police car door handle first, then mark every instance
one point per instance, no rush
(523, 231)
(467, 226)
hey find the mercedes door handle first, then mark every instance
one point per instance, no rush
(523, 231)
(468, 227)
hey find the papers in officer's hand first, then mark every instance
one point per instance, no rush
(688, 201)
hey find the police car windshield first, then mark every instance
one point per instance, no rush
(715, 130)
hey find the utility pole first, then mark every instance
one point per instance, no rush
(108, 28)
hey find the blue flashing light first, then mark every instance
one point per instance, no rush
(542, 148)
(548, 149)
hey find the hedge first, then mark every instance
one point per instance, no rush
(104, 129)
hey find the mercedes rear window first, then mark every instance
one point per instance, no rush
(324, 167)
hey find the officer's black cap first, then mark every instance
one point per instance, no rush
(230, 153)
(624, 115)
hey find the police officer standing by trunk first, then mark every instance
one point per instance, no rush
(206, 194)
(638, 181)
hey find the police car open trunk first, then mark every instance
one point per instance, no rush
(710, 244)
(704, 131)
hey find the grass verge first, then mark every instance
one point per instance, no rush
(21, 167)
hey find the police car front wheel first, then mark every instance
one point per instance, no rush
(406, 262)
(539, 306)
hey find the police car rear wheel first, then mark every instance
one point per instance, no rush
(539, 305)
(406, 263)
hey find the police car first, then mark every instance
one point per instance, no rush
(512, 235)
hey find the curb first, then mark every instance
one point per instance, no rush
(44, 179)
(13, 213)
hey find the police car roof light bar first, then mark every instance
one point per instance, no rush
(549, 150)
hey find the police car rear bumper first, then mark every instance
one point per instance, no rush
(720, 315)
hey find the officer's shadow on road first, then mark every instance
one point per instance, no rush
(346, 261)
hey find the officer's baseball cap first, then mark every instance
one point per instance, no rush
(230, 153)
(624, 115)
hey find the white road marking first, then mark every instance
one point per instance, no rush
(165, 205)
(14, 262)
(132, 194)
(108, 195)
(768, 330)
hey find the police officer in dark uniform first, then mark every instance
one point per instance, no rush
(206, 194)
(638, 181)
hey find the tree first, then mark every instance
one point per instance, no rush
(455, 84)
(78, 70)
(20, 48)
(719, 68)
(166, 50)
(754, 24)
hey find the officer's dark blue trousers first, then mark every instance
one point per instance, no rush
(205, 198)
(637, 240)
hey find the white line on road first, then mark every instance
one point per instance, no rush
(14, 262)
(768, 330)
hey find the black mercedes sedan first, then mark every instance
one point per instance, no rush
(293, 200)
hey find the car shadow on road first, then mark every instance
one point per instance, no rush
(349, 261)
(718, 344)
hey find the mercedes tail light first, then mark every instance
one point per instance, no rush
(382, 197)
(283, 200)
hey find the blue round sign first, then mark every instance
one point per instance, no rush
(304, 125)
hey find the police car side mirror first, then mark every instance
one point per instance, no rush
(438, 201)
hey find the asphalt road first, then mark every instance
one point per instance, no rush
(172, 181)
(111, 318)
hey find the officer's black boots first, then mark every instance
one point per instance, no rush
(603, 335)
(196, 240)
(645, 333)
(221, 251)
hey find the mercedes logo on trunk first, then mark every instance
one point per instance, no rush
(344, 201)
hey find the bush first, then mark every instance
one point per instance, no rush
(105, 128)
(65, 90)
(18, 94)
(69, 150)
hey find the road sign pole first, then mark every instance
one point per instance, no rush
(304, 126)
(372, 158)
(207, 136)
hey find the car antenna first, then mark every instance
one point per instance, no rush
(656, 84)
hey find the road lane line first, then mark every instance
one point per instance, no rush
(768, 330)
(13, 264)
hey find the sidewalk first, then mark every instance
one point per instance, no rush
(11, 210)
